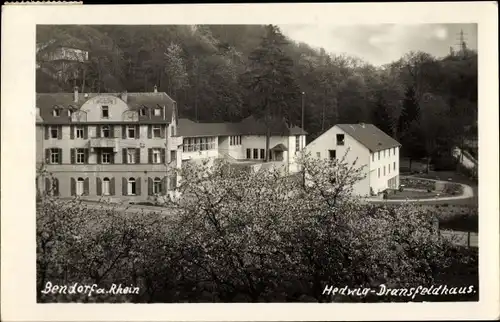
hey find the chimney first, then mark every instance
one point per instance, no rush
(156, 89)
(75, 96)
(124, 96)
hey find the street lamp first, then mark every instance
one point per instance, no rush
(303, 96)
(302, 126)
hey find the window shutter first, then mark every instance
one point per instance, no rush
(98, 131)
(150, 130)
(46, 132)
(86, 151)
(124, 156)
(112, 186)
(73, 186)
(124, 186)
(85, 132)
(59, 151)
(55, 187)
(59, 132)
(72, 132)
(138, 186)
(162, 156)
(162, 131)
(150, 155)
(112, 129)
(73, 156)
(86, 187)
(47, 186)
(150, 186)
(137, 131)
(99, 186)
(137, 155)
(124, 131)
(164, 185)
(47, 155)
(112, 158)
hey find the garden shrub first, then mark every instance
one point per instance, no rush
(453, 188)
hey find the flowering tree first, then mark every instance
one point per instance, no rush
(237, 235)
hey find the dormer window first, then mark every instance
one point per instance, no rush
(105, 111)
(157, 112)
(143, 111)
(56, 112)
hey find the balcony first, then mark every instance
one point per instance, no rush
(99, 143)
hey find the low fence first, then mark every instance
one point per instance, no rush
(462, 238)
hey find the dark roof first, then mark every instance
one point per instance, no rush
(370, 136)
(190, 128)
(279, 147)
(46, 102)
(248, 126)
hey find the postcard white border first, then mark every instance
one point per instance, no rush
(18, 155)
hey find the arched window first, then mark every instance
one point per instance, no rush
(105, 131)
(105, 186)
(80, 186)
(157, 185)
(131, 188)
(143, 111)
(56, 112)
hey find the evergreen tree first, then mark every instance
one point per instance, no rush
(410, 130)
(410, 111)
(380, 115)
(271, 82)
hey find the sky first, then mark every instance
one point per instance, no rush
(383, 43)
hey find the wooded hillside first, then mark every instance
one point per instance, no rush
(225, 73)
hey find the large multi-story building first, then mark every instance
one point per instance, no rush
(116, 145)
(375, 152)
(121, 145)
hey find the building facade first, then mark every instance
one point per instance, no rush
(121, 146)
(374, 151)
(106, 145)
(243, 143)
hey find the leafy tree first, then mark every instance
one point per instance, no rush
(175, 69)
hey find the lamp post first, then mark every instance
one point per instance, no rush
(302, 126)
(303, 97)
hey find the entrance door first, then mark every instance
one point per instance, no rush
(105, 186)
(131, 186)
(79, 186)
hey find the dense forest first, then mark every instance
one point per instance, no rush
(227, 72)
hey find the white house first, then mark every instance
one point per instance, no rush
(242, 142)
(375, 151)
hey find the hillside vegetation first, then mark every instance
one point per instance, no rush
(224, 73)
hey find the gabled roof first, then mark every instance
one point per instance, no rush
(370, 136)
(46, 102)
(248, 126)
